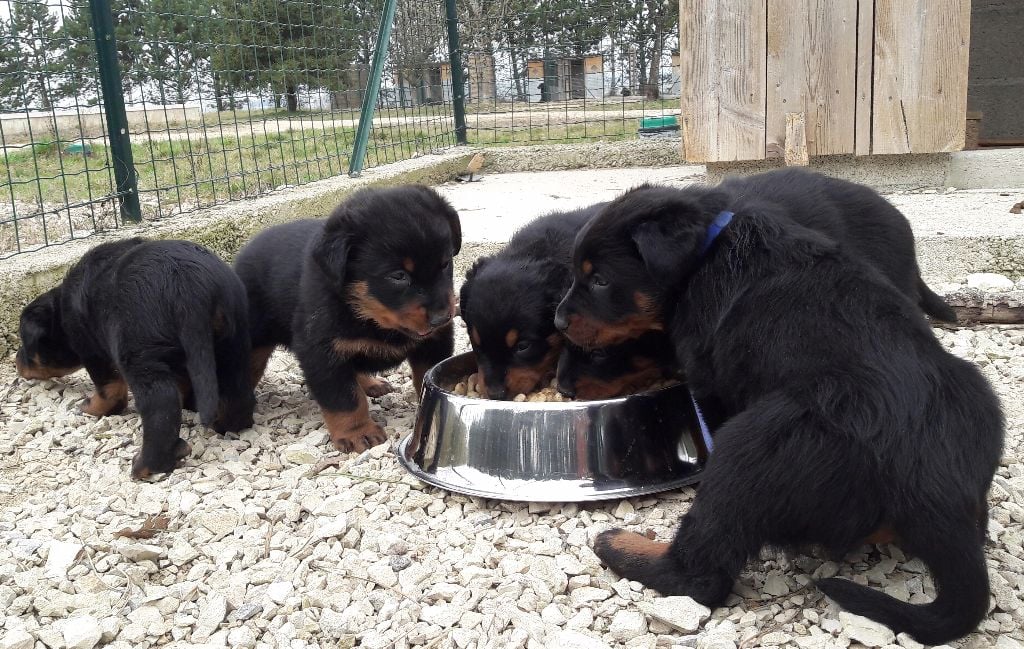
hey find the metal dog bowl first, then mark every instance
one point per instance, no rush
(551, 452)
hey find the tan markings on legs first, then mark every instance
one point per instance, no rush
(353, 430)
(347, 348)
(258, 360)
(108, 399)
(634, 545)
(883, 535)
(374, 386)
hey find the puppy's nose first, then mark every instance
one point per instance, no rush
(439, 318)
(497, 392)
(561, 322)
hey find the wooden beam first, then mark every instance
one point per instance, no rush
(865, 75)
(796, 139)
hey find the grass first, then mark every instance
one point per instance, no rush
(57, 196)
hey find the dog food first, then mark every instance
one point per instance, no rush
(470, 387)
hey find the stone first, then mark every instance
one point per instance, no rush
(443, 615)
(680, 613)
(280, 591)
(220, 522)
(301, 454)
(141, 552)
(248, 611)
(17, 639)
(867, 632)
(382, 573)
(61, 556)
(588, 594)
(210, 616)
(546, 569)
(329, 528)
(576, 640)
(241, 636)
(1006, 642)
(775, 585)
(81, 632)
(626, 625)
(181, 553)
(989, 282)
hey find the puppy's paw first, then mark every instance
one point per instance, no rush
(374, 386)
(98, 406)
(628, 553)
(360, 438)
(144, 467)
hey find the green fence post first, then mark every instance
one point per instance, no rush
(455, 60)
(387, 18)
(113, 107)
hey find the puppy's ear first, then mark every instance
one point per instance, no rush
(464, 292)
(668, 245)
(331, 250)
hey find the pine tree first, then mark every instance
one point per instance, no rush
(29, 58)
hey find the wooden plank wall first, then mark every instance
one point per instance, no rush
(920, 75)
(870, 76)
(723, 59)
(812, 69)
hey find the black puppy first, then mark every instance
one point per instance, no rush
(853, 215)
(508, 303)
(166, 320)
(625, 368)
(844, 418)
(355, 295)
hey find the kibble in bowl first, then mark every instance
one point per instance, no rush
(470, 386)
(550, 448)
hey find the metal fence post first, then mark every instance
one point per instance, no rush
(380, 54)
(455, 60)
(113, 107)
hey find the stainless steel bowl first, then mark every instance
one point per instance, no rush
(551, 452)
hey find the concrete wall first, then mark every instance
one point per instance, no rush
(996, 74)
(19, 128)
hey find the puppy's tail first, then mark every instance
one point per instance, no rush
(958, 566)
(934, 305)
(201, 365)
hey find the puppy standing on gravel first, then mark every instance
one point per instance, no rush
(844, 418)
(152, 317)
(508, 303)
(355, 295)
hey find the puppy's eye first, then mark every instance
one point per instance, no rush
(524, 346)
(445, 264)
(598, 280)
(598, 355)
(399, 277)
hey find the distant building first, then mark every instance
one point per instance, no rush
(559, 79)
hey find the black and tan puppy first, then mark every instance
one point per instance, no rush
(166, 320)
(355, 295)
(844, 419)
(856, 217)
(508, 303)
(605, 372)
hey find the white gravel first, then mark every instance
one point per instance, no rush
(257, 553)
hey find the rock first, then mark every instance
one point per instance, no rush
(588, 594)
(1006, 642)
(865, 631)
(443, 615)
(248, 611)
(210, 616)
(989, 282)
(280, 591)
(82, 632)
(60, 557)
(301, 454)
(330, 528)
(576, 640)
(721, 637)
(181, 553)
(141, 552)
(626, 625)
(399, 562)
(17, 639)
(546, 569)
(382, 573)
(623, 509)
(775, 585)
(680, 613)
(220, 522)
(241, 636)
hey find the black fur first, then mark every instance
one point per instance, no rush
(841, 413)
(517, 290)
(396, 246)
(155, 315)
(855, 216)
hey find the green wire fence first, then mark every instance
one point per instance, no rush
(115, 111)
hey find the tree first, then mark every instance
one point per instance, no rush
(648, 25)
(284, 45)
(80, 71)
(176, 48)
(30, 59)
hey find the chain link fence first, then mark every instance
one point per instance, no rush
(127, 110)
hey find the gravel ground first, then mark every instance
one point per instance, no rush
(259, 553)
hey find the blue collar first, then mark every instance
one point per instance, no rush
(715, 229)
